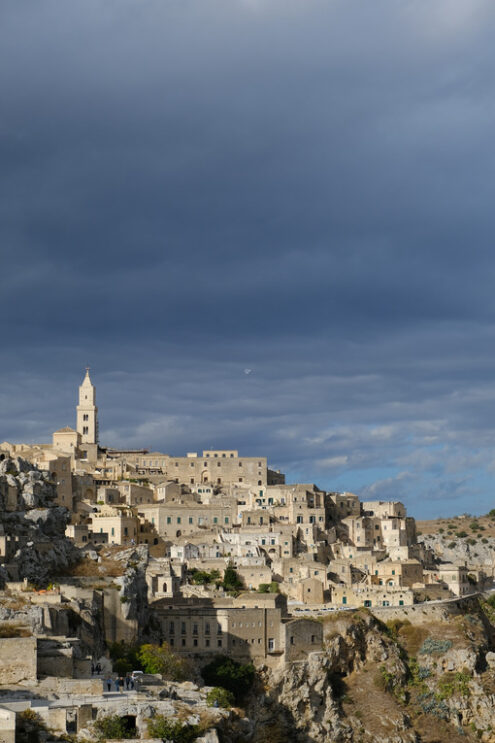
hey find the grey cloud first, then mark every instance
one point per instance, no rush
(192, 189)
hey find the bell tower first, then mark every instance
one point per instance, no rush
(87, 412)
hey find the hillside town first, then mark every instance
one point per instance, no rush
(208, 553)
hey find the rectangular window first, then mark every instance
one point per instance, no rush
(207, 628)
(172, 628)
(271, 644)
(219, 643)
(190, 519)
(169, 520)
(195, 629)
(207, 643)
(183, 628)
(178, 519)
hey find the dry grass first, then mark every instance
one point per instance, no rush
(379, 710)
(14, 629)
(13, 600)
(412, 636)
(87, 568)
(459, 523)
(434, 730)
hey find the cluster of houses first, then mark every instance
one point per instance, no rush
(296, 552)
(205, 511)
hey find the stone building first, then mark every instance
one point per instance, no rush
(120, 525)
(87, 413)
(176, 519)
(252, 626)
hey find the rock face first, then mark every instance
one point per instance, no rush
(37, 548)
(134, 589)
(377, 683)
(454, 549)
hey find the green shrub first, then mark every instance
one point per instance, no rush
(114, 726)
(451, 545)
(231, 580)
(201, 577)
(229, 674)
(222, 698)
(461, 534)
(453, 683)
(160, 659)
(264, 588)
(172, 730)
(432, 646)
(125, 657)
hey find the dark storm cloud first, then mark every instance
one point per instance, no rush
(301, 188)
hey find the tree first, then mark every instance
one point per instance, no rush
(160, 659)
(218, 697)
(125, 657)
(201, 577)
(172, 730)
(231, 580)
(114, 727)
(229, 674)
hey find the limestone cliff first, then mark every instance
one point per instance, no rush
(399, 682)
(34, 525)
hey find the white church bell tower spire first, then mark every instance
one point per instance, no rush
(87, 412)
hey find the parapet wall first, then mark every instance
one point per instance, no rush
(427, 611)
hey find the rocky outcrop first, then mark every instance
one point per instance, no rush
(376, 683)
(33, 487)
(34, 525)
(459, 551)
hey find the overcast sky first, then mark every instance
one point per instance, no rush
(266, 225)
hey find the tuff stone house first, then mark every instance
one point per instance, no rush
(251, 626)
